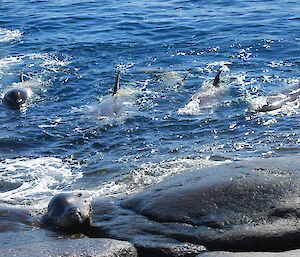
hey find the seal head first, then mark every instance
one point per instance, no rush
(67, 211)
(16, 98)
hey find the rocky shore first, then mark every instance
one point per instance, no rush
(244, 208)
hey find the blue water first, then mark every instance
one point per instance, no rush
(168, 52)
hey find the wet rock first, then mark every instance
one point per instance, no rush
(248, 205)
(84, 247)
(14, 219)
(294, 253)
(168, 250)
(112, 221)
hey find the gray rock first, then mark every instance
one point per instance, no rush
(248, 205)
(294, 253)
(143, 233)
(168, 249)
(14, 219)
(84, 247)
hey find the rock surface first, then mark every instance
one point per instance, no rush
(295, 253)
(168, 249)
(14, 219)
(84, 247)
(248, 205)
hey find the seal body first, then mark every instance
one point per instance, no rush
(67, 211)
(16, 98)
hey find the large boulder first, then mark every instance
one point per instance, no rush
(293, 253)
(250, 205)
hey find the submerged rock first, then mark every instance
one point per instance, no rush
(246, 205)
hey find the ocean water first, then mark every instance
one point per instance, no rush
(171, 119)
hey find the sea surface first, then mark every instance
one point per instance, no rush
(172, 119)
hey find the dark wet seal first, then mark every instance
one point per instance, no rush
(16, 98)
(67, 211)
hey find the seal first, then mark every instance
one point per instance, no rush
(15, 98)
(67, 211)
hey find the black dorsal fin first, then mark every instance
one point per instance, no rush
(22, 78)
(217, 79)
(117, 83)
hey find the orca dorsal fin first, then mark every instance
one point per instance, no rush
(22, 78)
(117, 83)
(217, 79)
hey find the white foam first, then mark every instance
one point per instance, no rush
(9, 61)
(114, 108)
(149, 174)
(286, 98)
(7, 35)
(38, 178)
(206, 99)
(43, 60)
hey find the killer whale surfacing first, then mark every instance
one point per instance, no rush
(113, 104)
(276, 102)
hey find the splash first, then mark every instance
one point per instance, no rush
(284, 100)
(42, 60)
(114, 107)
(205, 100)
(7, 35)
(149, 174)
(32, 180)
(7, 62)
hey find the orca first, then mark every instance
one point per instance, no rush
(216, 82)
(206, 98)
(111, 105)
(275, 102)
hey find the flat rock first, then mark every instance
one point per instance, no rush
(84, 247)
(294, 253)
(250, 205)
(168, 249)
(20, 235)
